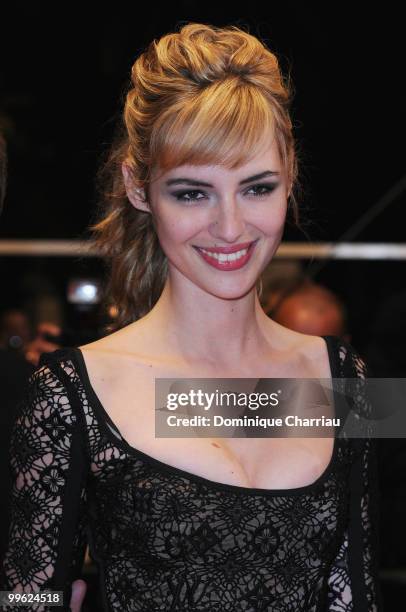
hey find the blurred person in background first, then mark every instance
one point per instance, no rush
(40, 343)
(15, 330)
(20, 351)
(309, 308)
(14, 372)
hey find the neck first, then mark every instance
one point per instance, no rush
(199, 326)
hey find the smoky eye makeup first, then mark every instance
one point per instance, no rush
(264, 188)
(260, 190)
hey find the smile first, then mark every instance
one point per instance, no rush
(227, 261)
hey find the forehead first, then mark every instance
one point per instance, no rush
(265, 157)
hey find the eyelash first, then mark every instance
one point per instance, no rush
(179, 195)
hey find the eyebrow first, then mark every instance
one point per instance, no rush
(189, 181)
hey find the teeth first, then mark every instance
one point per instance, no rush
(226, 256)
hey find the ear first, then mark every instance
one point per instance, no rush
(135, 194)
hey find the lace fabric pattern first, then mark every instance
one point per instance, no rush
(165, 540)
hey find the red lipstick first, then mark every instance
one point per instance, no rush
(225, 264)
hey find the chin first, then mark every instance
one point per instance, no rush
(232, 293)
(221, 285)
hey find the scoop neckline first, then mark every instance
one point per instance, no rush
(185, 474)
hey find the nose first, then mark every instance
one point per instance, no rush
(229, 223)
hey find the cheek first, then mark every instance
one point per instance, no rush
(179, 227)
(270, 218)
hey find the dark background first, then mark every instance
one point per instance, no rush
(63, 73)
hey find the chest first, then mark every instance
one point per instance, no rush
(269, 463)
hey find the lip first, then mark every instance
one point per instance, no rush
(228, 265)
(229, 249)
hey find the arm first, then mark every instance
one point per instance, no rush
(47, 541)
(339, 581)
(353, 584)
(364, 516)
(354, 581)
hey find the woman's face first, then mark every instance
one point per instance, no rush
(236, 215)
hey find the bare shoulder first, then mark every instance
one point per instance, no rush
(116, 354)
(316, 354)
(308, 351)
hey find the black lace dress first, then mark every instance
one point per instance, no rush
(167, 540)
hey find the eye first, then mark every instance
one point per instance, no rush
(181, 196)
(190, 196)
(266, 187)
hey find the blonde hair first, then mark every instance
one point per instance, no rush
(201, 95)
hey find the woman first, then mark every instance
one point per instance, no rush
(201, 183)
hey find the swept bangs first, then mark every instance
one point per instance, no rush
(225, 124)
